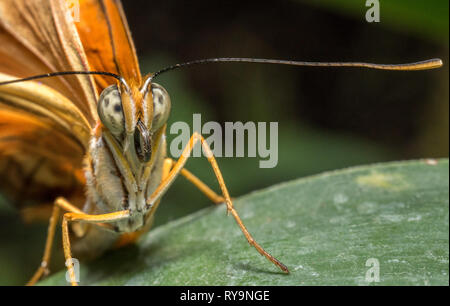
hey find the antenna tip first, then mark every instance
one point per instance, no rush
(436, 62)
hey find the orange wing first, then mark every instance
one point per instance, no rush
(107, 41)
(38, 37)
(45, 126)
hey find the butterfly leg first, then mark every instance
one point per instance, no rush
(130, 238)
(43, 268)
(208, 192)
(177, 168)
(97, 219)
(73, 214)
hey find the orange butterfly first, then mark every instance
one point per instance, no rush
(89, 135)
(105, 161)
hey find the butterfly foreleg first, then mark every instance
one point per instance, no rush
(82, 217)
(60, 203)
(205, 189)
(177, 169)
(72, 214)
(130, 238)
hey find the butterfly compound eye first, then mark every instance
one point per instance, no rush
(110, 110)
(161, 106)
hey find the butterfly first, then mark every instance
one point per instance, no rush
(82, 131)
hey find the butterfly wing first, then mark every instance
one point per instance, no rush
(45, 126)
(107, 41)
(40, 37)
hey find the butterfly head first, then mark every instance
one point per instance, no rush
(133, 116)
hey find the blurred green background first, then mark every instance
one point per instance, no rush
(328, 118)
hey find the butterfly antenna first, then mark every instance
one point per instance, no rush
(62, 73)
(422, 65)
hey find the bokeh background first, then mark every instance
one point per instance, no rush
(328, 118)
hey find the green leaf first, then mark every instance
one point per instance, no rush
(325, 228)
